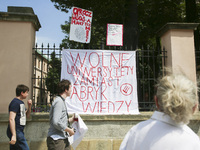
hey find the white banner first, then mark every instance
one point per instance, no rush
(114, 35)
(103, 81)
(80, 27)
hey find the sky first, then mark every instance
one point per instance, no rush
(49, 17)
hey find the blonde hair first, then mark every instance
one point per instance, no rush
(177, 95)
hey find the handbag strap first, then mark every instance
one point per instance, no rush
(66, 110)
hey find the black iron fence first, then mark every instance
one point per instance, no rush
(149, 67)
(47, 66)
(44, 79)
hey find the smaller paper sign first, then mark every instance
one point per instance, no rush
(80, 28)
(114, 35)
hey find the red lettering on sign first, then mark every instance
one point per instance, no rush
(74, 92)
(89, 92)
(128, 105)
(83, 93)
(120, 105)
(76, 81)
(101, 106)
(89, 106)
(77, 22)
(117, 61)
(113, 106)
(78, 58)
(87, 13)
(123, 59)
(106, 106)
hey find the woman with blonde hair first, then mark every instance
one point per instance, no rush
(176, 100)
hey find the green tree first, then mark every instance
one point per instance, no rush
(191, 11)
(104, 11)
(143, 18)
(192, 7)
(53, 75)
(153, 14)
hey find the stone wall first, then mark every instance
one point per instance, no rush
(105, 132)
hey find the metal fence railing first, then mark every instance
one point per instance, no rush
(149, 66)
(44, 60)
(46, 73)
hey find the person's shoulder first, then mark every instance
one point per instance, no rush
(15, 101)
(57, 100)
(14, 105)
(143, 123)
(139, 125)
(191, 133)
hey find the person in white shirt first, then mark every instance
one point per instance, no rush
(176, 100)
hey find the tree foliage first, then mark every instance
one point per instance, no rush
(104, 11)
(150, 15)
(153, 14)
(53, 75)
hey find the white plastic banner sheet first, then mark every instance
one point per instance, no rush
(103, 81)
(81, 130)
(80, 27)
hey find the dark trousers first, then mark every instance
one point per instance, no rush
(61, 144)
(21, 143)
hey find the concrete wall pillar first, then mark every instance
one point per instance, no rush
(17, 39)
(178, 40)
